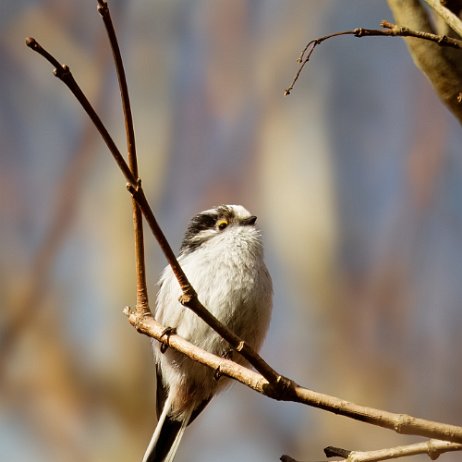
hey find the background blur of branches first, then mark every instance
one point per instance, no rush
(355, 178)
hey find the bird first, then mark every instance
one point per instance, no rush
(222, 257)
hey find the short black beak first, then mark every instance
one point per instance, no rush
(249, 221)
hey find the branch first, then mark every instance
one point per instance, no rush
(389, 30)
(400, 423)
(189, 296)
(142, 303)
(452, 20)
(432, 448)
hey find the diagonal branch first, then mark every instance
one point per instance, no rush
(400, 423)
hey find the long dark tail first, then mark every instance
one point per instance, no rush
(167, 436)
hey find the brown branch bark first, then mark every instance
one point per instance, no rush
(400, 423)
(431, 59)
(389, 30)
(141, 286)
(432, 448)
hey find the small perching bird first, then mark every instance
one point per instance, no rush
(222, 256)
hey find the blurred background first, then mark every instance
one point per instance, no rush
(356, 179)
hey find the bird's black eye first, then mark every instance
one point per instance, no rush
(222, 223)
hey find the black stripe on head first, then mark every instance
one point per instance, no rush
(199, 223)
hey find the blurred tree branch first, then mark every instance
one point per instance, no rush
(67, 192)
(431, 59)
(452, 20)
(28, 310)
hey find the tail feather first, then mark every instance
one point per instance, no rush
(167, 436)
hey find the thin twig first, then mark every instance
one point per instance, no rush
(432, 448)
(189, 296)
(389, 30)
(452, 20)
(142, 303)
(400, 423)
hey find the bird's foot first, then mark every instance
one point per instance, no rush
(228, 354)
(168, 331)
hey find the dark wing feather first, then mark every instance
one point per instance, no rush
(161, 392)
(169, 430)
(199, 409)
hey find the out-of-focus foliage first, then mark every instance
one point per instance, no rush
(356, 179)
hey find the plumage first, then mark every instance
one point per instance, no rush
(222, 256)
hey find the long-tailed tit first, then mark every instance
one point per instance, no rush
(222, 256)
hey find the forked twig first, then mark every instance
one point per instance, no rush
(142, 303)
(389, 30)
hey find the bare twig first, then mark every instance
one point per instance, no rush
(189, 296)
(448, 16)
(400, 423)
(432, 448)
(389, 30)
(141, 287)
